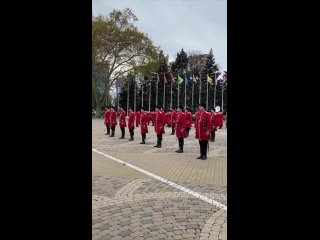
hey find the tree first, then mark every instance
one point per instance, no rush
(117, 48)
(210, 69)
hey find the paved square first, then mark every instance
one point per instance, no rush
(128, 204)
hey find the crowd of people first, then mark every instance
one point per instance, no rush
(180, 121)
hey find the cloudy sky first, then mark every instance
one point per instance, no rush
(194, 25)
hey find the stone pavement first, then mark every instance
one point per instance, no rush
(127, 204)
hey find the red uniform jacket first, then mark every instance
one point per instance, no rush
(188, 119)
(169, 119)
(203, 126)
(220, 119)
(149, 117)
(122, 121)
(107, 118)
(173, 118)
(113, 118)
(214, 122)
(138, 118)
(153, 117)
(144, 125)
(181, 126)
(159, 123)
(131, 120)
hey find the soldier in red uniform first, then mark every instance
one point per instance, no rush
(159, 126)
(153, 117)
(122, 122)
(219, 117)
(181, 128)
(168, 117)
(188, 120)
(144, 125)
(131, 124)
(113, 121)
(214, 125)
(203, 130)
(173, 120)
(149, 117)
(138, 119)
(107, 120)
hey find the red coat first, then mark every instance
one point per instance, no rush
(220, 119)
(173, 118)
(122, 120)
(107, 118)
(138, 118)
(188, 119)
(149, 117)
(144, 123)
(214, 122)
(203, 126)
(159, 123)
(153, 117)
(113, 118)
(131, 120)
(181, 126)
(168, 119)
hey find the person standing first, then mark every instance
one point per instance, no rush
(113, 121)
(203, 130)
(131, 124)
(188, 120)
(159, 126)
(181, 128)
(122, 122)
(144, 125)
(173, 120)
(107, 120)
(214, 125)
(138, 119)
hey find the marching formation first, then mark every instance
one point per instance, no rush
(179, 119)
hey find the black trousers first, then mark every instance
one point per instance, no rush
(131, 133)
(203, 148)
(181, 143)
(122, 132)
(113, 130)
(159, 136)
(173, 130)
(188, 129)
(108, 129)
(143, 137)
(213, 135)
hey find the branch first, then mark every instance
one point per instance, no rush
(134, 55)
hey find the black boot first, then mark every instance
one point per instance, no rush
(201, 152)
(204, 156)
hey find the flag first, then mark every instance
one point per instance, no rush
(225, 77)
(172, 78)
(180, 79)
(164, 78)
(158, 79)
(193, 79)
(209, 79)
(186, 80)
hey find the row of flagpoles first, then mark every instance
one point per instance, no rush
(180, 80)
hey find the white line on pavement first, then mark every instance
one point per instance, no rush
(193, 193)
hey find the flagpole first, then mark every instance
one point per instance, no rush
(185, 91)
(215, 90)
(222, 95)
(134, 101)
(128, 99)
(171, 95)
(141, 94)
(164, 93)
(150, 92)
(157, 93)
(178, 91)
(200, 89)
(207, 94)
(192, 92)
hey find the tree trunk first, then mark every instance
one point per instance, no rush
(98, 109)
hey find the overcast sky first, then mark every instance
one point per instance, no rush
(194, 25)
